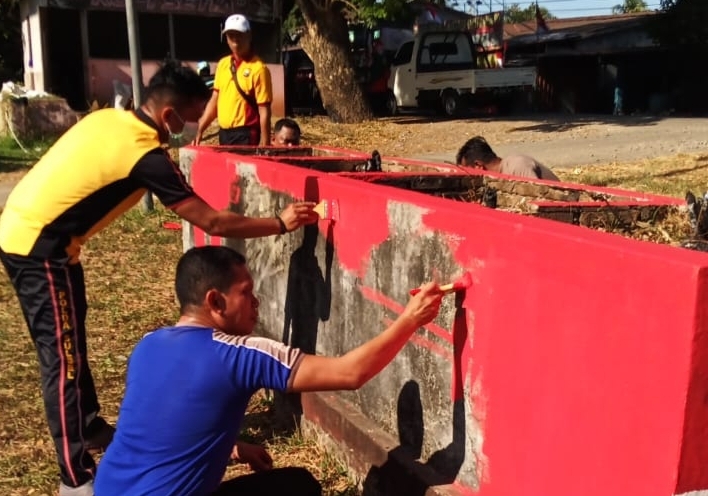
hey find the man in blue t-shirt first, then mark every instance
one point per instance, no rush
(188, 386)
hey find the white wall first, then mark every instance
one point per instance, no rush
(33, 50)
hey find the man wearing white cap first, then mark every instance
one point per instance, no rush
(243, 91)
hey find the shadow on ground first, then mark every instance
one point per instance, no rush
(12, 164)
(550, 123)
(266, 424)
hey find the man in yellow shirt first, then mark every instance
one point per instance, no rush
(97, 170)
(243, 91)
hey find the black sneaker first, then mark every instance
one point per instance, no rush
(99, 435)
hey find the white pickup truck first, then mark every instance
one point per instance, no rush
(437, 69)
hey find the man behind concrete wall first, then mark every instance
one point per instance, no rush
(476, 152)
(286, 132)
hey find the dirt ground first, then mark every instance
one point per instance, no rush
(556, 140)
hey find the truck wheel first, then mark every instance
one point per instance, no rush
(391, 104)
(450, 103)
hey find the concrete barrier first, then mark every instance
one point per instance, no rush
(36, 118)
(577, 363)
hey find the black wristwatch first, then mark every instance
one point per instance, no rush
(283, 227)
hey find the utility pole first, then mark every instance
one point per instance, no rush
(136, 71)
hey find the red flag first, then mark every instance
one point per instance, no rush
(541, 26)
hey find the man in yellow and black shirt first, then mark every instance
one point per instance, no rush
(96, 171)
(243, 91)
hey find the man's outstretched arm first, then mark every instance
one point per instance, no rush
(354, 369)
(225, 223)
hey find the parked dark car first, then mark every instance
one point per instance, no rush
(301, 93)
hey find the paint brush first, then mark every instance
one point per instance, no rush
(460, 284)
(327, 210)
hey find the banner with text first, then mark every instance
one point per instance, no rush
(487, 30)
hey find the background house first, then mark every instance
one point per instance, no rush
(581, 61)
(77, 48)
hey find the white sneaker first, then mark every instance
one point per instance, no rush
(85, 490)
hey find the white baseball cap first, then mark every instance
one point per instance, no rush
(236, 22)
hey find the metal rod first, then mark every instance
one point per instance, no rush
(137, 74)
(85, 54)
(171, 32)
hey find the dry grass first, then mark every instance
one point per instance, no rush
(671, 176)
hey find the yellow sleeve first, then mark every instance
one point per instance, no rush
(263, 86)
(222, 74)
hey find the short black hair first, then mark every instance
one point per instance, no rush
(204, 268)
(176, 84)
(281, 123)
(475, 149)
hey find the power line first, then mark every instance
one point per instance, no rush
(594, 8)
(521, 3)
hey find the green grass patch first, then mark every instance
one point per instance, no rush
(14, 157)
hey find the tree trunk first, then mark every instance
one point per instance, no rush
(326, 41)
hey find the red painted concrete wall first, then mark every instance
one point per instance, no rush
(580, 356)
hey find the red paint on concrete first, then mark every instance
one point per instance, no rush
(377, 297)
(589, 349)
(211, 179)
(425, 342)
(463, 358)
(694, 475)
(367, 221)
(432, 346)
(569, 353)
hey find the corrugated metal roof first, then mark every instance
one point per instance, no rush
(575, 28)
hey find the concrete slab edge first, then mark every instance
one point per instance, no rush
(361, 445)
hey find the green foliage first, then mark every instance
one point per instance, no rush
(293, 22)
(684, 24)
(370, 11)
(515, 13)
(630, 6)
(358, 11)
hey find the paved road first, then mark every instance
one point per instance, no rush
(5, 189)
(602, 143)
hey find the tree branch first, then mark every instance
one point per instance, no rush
(309, 10)
(351, 6)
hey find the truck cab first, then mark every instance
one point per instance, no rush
(438, 69)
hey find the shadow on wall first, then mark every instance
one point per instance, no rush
(308, 299)
(442, 467)
(309, 294)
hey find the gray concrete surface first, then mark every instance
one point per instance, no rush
(571, 144)
(5, 189)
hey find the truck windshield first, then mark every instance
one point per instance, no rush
(445, 51)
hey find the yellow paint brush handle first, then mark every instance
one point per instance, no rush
(446, 288)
